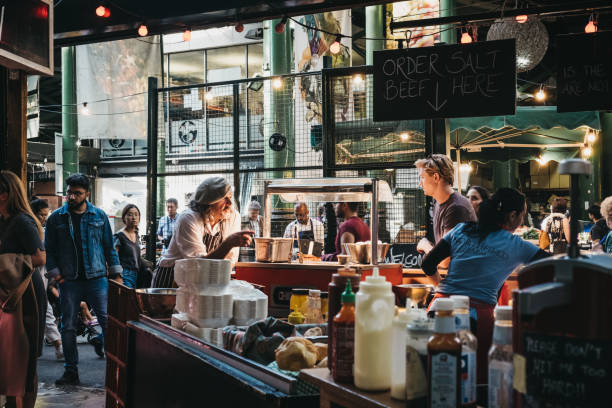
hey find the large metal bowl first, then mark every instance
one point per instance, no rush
(416, 292)
(360, 252)
(157, 303)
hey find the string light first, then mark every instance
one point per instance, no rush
(404, 136)
(466, 168)
(85, 110)
(78, 143)
(239, 27)
(187, 35)
(541, 160)
(540, 96)
(335, 47)
(208, 96)
(591, 26)
(591, 137)
(277, 83)
(280, 26)
(521, 19)
(357, 79)
(100, 10)
(587, 152)
(143, 30)
(466, 38)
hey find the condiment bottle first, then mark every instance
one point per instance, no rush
(374, 309)
(501, 371)
(343, 339)
(335, 290)
(324, 305)
(469, 345)
(418, 333)
(444, 359)
(398, 348)
(313, 315)
(298, 302)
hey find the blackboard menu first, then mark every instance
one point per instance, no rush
(445, 81)
(584, 72)
(405, 254)
(572, 371)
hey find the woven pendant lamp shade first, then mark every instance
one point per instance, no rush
(531, 40)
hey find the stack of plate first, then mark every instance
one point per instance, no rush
(202, 273)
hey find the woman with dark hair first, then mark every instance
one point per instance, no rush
(22, 293)
(127, 244)
(483, 254)
(556, 225)
(477, 195)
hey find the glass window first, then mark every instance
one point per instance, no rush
(225, 64)
(255, 59)
(186, 68)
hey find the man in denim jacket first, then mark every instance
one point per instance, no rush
(79, 245)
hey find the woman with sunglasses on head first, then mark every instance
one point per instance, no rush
(127, 244)
(482, 255)
(20, 341)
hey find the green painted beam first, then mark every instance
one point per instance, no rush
(70, 149)
(375, 28)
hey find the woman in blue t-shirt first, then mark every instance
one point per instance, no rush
(483, 254)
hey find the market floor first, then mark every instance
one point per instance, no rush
(90, 394)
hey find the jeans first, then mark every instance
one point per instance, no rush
(129, 278)
(95, 293)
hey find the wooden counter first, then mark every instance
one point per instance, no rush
(334, 394)
(279, 279)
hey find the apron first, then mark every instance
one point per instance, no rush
(304, 236)
(164, 276)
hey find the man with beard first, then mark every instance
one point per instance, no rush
(79, 245)
(209, 228)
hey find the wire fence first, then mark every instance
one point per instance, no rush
(292, 126)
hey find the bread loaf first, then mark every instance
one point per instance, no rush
(296, 353)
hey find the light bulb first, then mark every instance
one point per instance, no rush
(78, 143)
(239, 27)
(187, 35)
(100, 10)
(334, 48)
(357, 79)
(541, 160)
(106, 12)
(277, 83)
(591, 137)
(465, 38)
(587, 152)
(404, 136)
(280, 26)
(85, 110)
(208, 96)
(521, 19)
(591, 27)
(143, 30)
(540, 95)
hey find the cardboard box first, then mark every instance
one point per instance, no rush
(564, 181)
(553, 180)
(539, 182)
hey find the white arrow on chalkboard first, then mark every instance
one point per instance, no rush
(437, 106)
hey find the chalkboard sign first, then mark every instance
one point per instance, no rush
(584, 72)
(568, 370)
(445, 81)
(405, 254)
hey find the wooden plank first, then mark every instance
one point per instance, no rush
(346, 395)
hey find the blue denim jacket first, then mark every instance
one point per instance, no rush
(97, 240)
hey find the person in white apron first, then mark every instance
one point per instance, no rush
(209, 228)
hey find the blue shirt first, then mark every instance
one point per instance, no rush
(166, 229)
(478, 269)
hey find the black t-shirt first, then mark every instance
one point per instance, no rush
(128, 251)
(600, 229)
(76, 226)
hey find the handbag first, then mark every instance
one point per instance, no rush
(544, 241)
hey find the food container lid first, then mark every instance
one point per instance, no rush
(314, 292)
(348, 296)
(461, 301)
(299, 292)
(324, 295)
(444, 304)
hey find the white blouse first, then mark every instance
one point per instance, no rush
(188, 238)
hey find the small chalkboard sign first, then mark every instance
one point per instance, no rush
(584, 72)
(445, 81)
(405, 254)
(569, 370)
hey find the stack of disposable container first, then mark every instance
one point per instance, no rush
(207, 300)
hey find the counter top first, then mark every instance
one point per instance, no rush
(310, 265)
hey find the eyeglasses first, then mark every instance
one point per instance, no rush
(74, 193)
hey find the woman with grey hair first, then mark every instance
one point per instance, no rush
(209, 228)
(606, 212)
(255, 218)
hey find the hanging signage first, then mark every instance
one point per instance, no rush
(445, 81)
(584, 72)
(576, 372)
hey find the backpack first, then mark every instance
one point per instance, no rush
(554, 229)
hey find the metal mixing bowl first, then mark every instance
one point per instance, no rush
(156, 302)
(416, 292)
(360, 252)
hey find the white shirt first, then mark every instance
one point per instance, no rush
(317, 226)
(189, 231)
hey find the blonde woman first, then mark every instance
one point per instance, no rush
(21, 233)
(606, 212)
